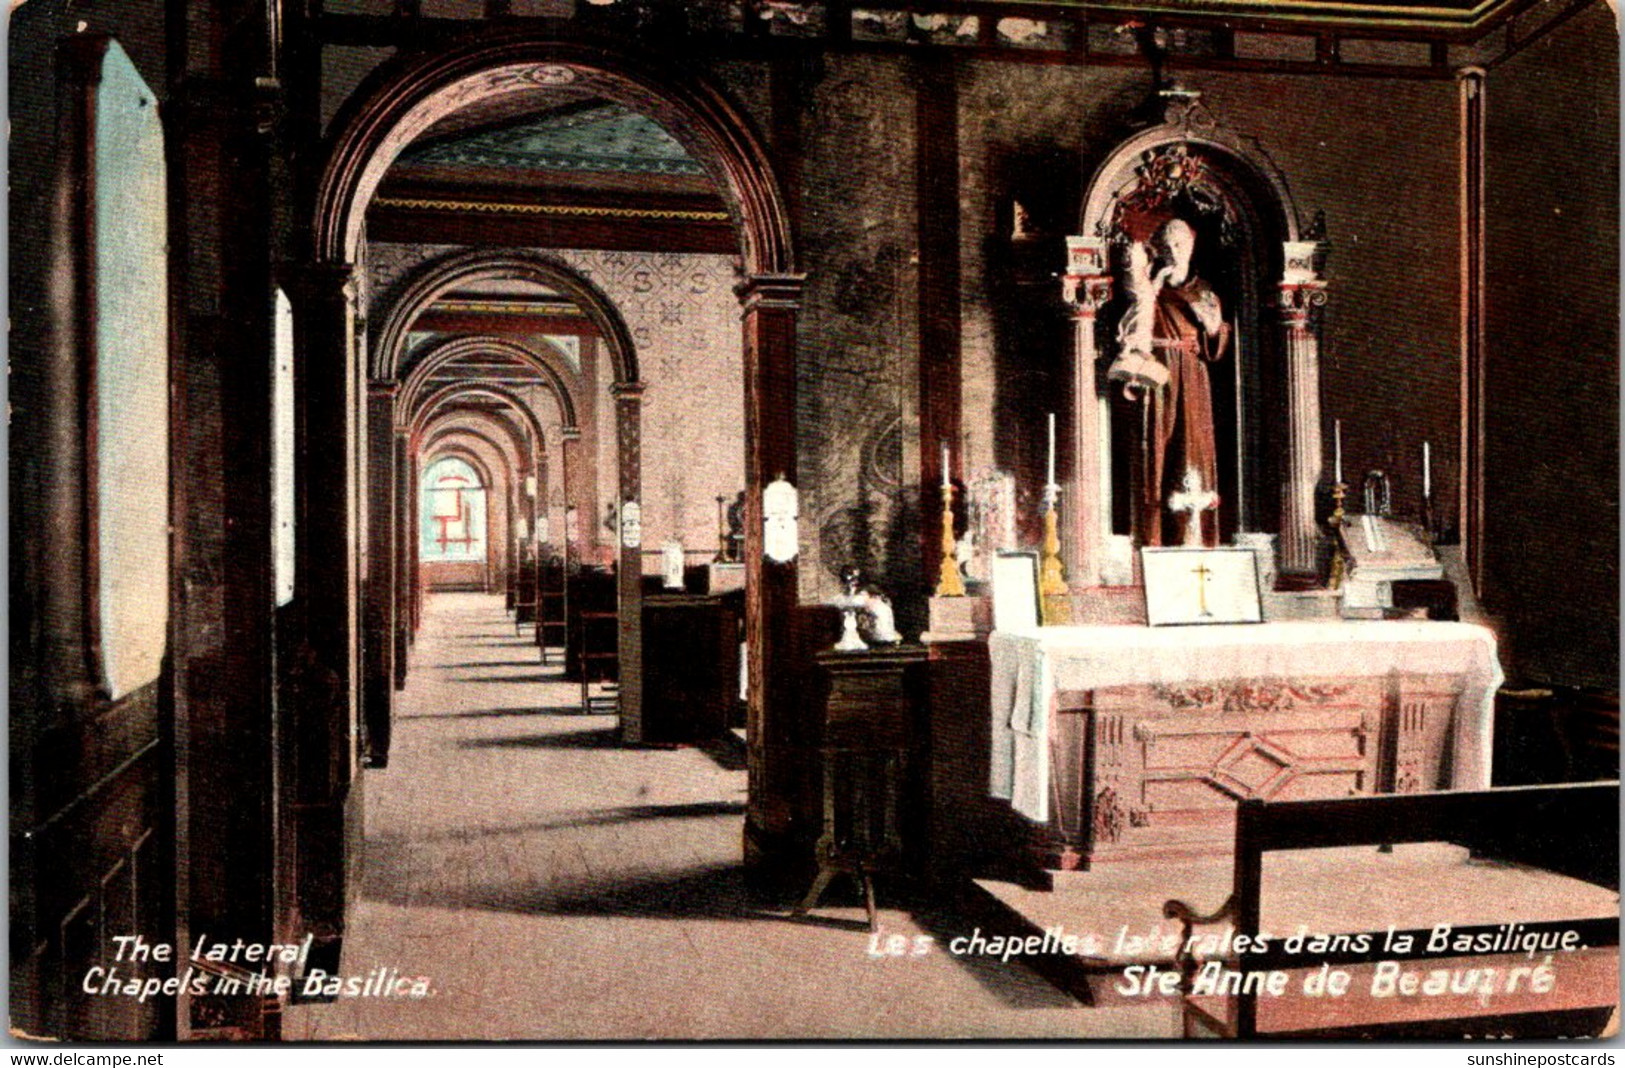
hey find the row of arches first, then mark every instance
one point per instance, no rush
(420, 416)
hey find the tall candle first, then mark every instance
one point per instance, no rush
(1427, 471)
(1051, 480)
(1337, 449)
(945, 483)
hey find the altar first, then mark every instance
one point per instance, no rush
(1130, 743)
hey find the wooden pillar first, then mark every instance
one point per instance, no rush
(941, 375)
(629, 448)
(777, 814)
(324, 673)
(378, 639)
(405, 521)
(1470, 488)
(1302, 291)
(1086, 288)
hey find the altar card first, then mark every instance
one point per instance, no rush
(1015, 590)
(1193, 586)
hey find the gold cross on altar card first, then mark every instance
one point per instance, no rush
(1192, 586)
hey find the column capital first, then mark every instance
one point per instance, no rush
(627, 391)
(771, 291)
(1298, 300)
(322, 278)
(568, 434)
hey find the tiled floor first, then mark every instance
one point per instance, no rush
(552, 885)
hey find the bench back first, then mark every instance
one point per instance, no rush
(1571, 829)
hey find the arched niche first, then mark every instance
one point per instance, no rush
(1252, 252)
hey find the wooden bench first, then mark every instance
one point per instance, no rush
(1543, 858)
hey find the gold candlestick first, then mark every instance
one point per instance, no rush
(1339, 559)
(1051, 576)
(949, 583)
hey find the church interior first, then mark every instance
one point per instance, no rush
(750, 519)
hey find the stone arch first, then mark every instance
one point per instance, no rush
(561, 381)
(434, 403)
(410, 93)
(426, 285)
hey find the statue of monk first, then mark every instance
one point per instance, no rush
(1171, 330)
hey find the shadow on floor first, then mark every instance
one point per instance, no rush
(727, 751)
(397, 848)
(551, 676)
(708, 893)
(1013, 982)
(712, 893)
(489, 664)
(603, 738)
(491, 713)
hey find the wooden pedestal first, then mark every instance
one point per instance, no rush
(869, 754)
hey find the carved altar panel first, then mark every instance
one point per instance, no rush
(1148, 772)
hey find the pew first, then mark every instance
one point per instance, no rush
(594, 652)
(1498, 866)
(524, 603)
(552, 610)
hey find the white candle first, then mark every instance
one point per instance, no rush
(1051, 480)
(1337, 449)
(945, 483)
(1427, 471)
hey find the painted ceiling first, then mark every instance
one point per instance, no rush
(587, 137)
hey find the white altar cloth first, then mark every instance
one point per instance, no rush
(1030, 666)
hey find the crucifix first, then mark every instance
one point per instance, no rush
(1193, 500)
(1202, 571)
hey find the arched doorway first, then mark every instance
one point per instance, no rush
(403, 99)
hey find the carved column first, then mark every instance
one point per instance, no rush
(1302, 292)
(629, 447)
(570, 483)
(781, 814)
(1086, 288)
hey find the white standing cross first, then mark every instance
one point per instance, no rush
(1193, 500)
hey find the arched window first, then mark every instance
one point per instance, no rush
(453, 510)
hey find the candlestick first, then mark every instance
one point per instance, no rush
(1339, 557)
(1337, 449)
(1427, 471)
(1051, 479)
(949, 582)
(945, 483)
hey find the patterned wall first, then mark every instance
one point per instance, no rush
(684, 322)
